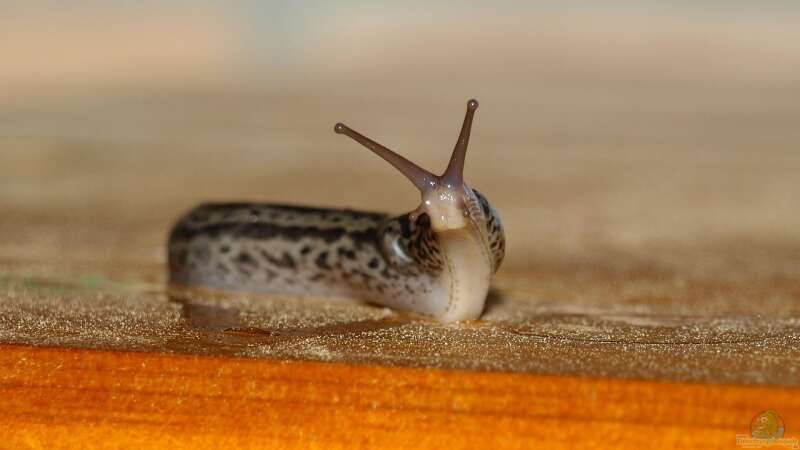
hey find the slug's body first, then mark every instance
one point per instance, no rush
(437, 260)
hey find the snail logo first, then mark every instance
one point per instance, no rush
(767, 425)
(766, 429)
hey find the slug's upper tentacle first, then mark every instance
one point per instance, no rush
(421, 178)
(454, 174)
(443, 196)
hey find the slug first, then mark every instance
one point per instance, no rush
(437, 260)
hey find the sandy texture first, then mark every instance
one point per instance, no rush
(653, 233)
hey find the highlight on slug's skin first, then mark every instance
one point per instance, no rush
(444, 197)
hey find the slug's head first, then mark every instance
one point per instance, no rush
(447, 201)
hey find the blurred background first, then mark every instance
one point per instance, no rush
(653, 135)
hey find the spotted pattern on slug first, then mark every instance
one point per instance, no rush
(437, 260)
(494, 228)
(411, 246)
(295, 250)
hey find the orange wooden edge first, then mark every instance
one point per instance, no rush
(68, 398)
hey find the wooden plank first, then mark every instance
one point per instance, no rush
(648, 250)
(69, 398)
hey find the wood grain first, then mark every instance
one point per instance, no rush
(61, 398)
(644, 163)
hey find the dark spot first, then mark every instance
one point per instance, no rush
(317, 277)
(368, 235)
(373, 263)
(225, 248)
(346, 253)
(305, 250)
(322, 261)
(405, 227)
(367, 277)
(386, 274)
(285, 261)
(483, 201)
(245, 259)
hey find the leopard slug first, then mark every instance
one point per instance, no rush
(437, 260)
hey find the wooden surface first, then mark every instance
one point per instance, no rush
(58, 398)
(622, 283)
(645, 166)
(616, 267)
